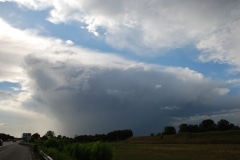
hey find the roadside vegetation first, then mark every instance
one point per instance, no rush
(77, 151)
(86, 147)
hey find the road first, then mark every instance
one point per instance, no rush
(14, 151)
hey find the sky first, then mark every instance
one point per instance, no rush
(91, 67)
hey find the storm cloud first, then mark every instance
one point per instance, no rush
(91, 98)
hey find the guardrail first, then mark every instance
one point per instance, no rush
(44, 155)
(35, 149)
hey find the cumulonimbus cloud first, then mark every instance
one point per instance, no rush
(99, 98)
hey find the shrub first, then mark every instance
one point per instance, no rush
(77, 151)
(91, 151)
(101, 151)
(56, 155)
(52, 143)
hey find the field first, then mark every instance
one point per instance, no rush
(207, 146)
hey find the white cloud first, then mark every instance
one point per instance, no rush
(185, 74)
(32, 4)
(158, 86)
(221, 91)
(69, 42)
(118, 92)
(170, 108)
(154, 27)
(160, 25)
(222, 46)
(16, 88)
(3, 124)
(234, 81)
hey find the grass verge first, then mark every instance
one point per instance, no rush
(184, 146)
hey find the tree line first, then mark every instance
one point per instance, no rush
(111, 136)
(115, 135)
(6, 137)
(206, 125)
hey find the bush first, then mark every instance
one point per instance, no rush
(82, 151)
(58, 150)
(101, 151)
(91, 151)
(56, 155)
(52, 143)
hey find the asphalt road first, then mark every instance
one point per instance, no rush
(14, 151)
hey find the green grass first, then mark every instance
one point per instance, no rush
(228, 137)
(200, 146)
(127, 151)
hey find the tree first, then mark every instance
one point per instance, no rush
(193, 128)
(35, 137)
(5, 136)
(224, 125)
(207, 125)
(50, 134)
(169, 130)
(183, 128)
(59, 136)
(151, 134)
(119, 135)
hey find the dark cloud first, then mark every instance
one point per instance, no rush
(89, 99)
